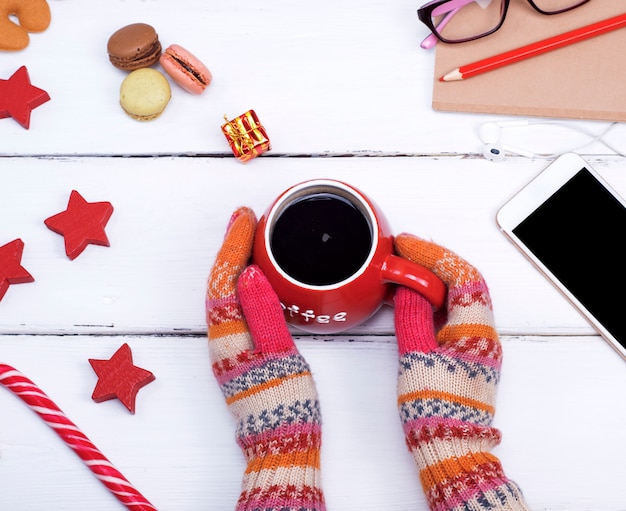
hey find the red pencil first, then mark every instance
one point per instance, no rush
(530, 50)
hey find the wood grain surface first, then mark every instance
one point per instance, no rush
(344, 92)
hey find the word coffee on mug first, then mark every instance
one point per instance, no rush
(327, 251)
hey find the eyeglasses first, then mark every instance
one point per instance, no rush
(458, 21)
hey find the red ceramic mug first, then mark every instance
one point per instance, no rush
(327, 251)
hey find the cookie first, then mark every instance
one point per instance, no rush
(144, 94)
(134, 47)
(33, 16)
(185, 69)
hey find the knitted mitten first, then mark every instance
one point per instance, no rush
(267, 384)
(448, 372)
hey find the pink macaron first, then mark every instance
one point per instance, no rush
(185, 69)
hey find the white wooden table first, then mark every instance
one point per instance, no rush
(344, 91)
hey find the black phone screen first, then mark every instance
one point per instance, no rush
(578, 234)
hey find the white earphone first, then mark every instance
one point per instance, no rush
(490, 133)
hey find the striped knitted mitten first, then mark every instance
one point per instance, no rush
(448, 372)
(266, 382)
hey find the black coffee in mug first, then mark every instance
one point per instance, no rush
(321, 239)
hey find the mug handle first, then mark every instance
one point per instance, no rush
(397, 270)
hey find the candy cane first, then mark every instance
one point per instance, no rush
(52, 415)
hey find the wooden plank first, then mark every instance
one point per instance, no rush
(562, 425)
(170, 215)
(324, 77)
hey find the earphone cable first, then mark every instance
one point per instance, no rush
(594, 138)
(490, 133)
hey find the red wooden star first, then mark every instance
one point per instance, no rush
(119, 378)
(81, 223)
(11, 271)
(18, 97)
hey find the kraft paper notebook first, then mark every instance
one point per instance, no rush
(586, 80)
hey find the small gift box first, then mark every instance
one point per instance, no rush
(246, 136)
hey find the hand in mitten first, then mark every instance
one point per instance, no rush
(267, 384)
(449, 369)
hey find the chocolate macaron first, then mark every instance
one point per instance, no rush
(134, 47)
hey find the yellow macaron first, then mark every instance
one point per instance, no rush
(144, 94)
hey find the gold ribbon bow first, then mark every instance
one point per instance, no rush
(239, 135)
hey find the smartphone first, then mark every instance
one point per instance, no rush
(570, 223)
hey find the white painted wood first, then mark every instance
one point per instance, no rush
(344, 92)
(324, 77)
(170, 215)
(558, 408)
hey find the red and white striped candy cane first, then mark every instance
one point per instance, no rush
(52, 415)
